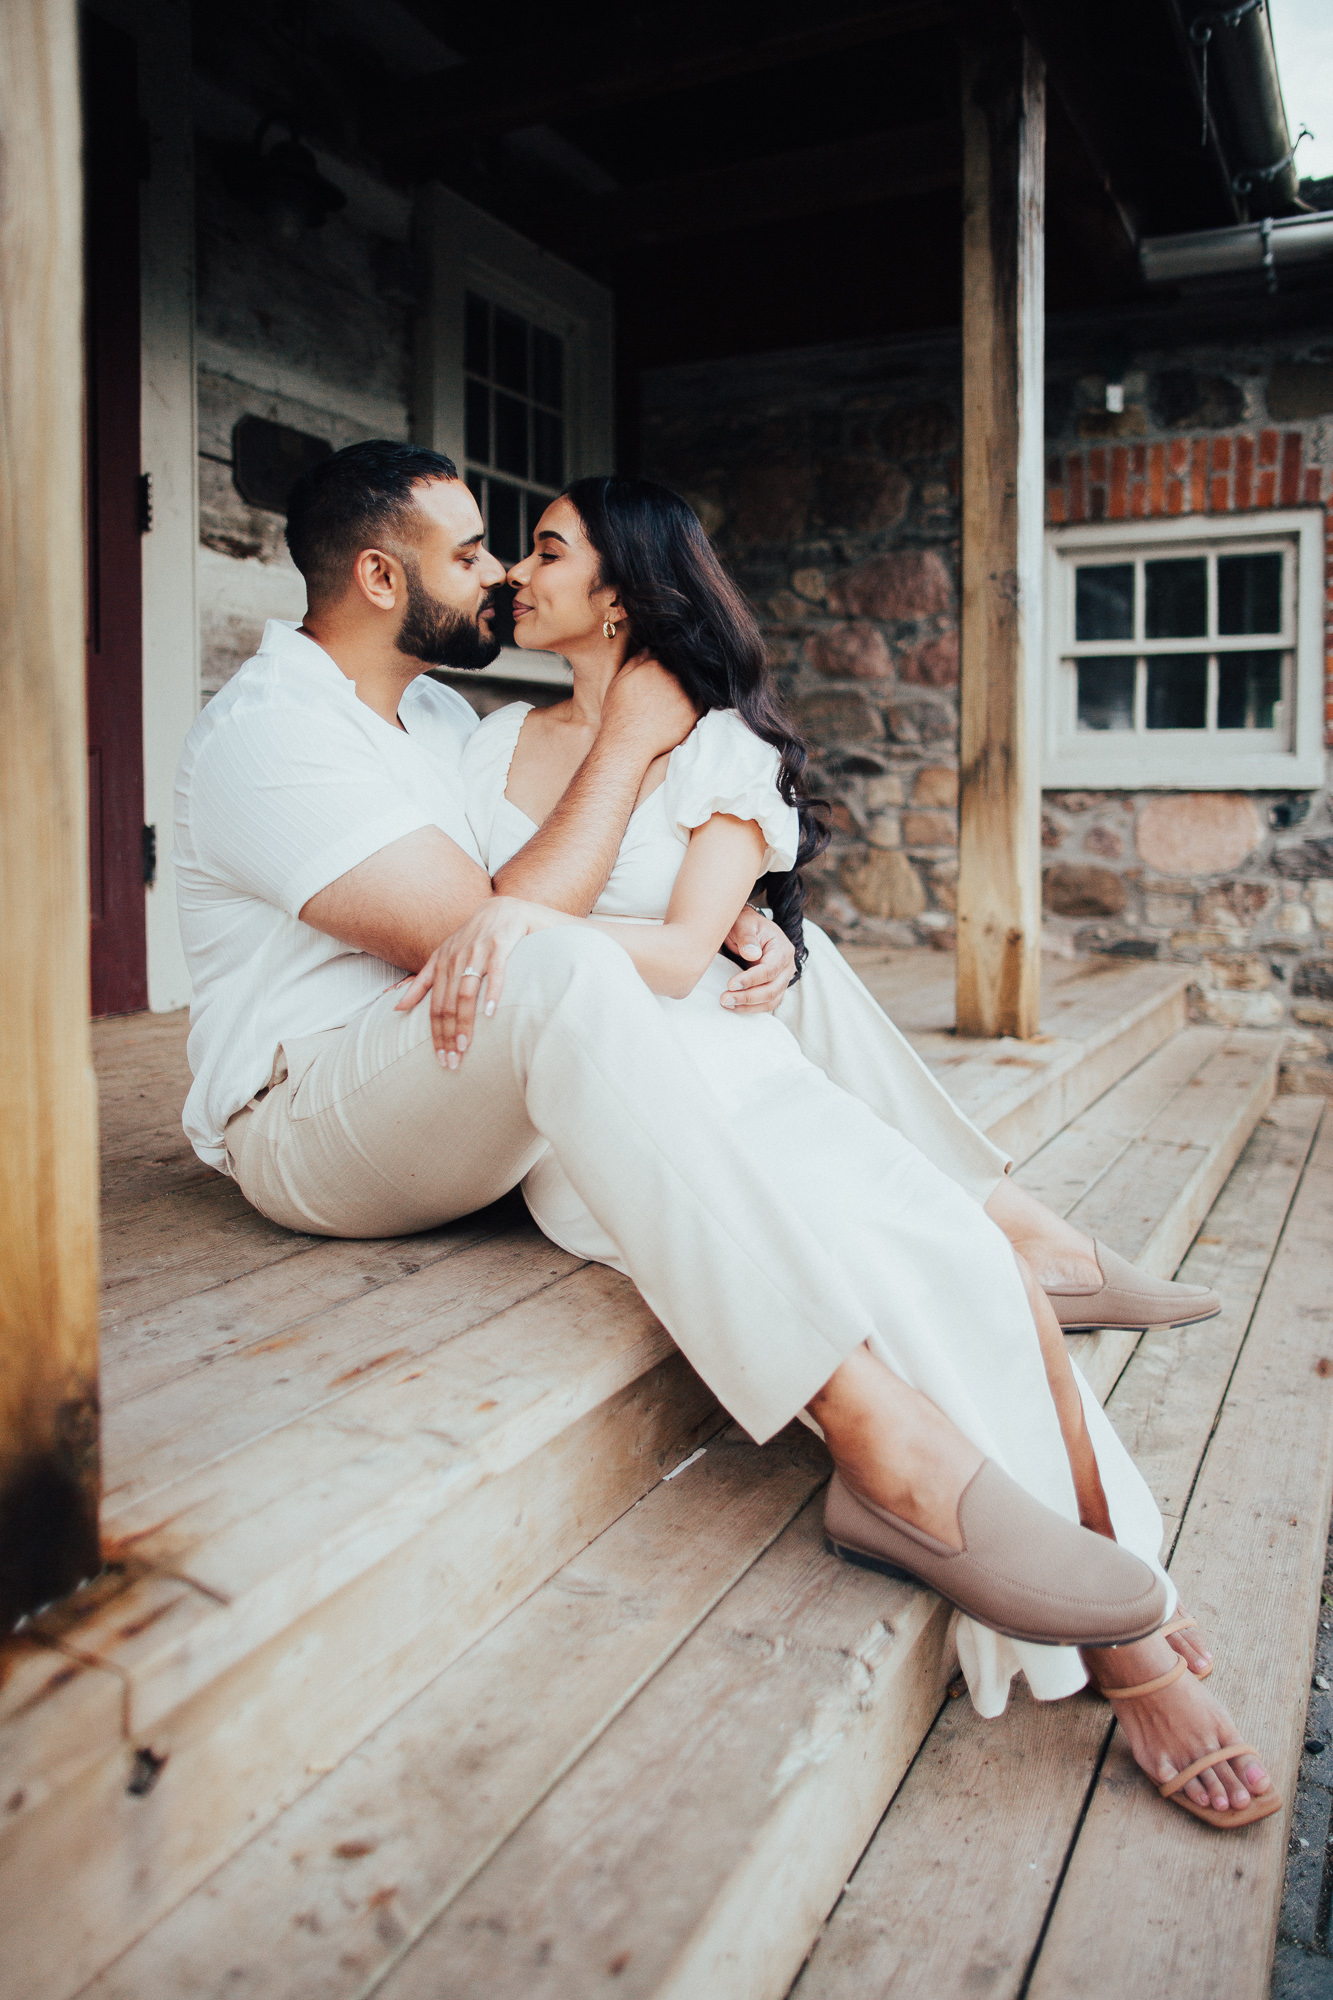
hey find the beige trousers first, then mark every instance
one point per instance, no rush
(731, 1228)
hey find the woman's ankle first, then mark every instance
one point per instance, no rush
(894, 1447)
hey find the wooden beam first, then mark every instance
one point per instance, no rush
(999, 876)
(48, 1119)
(669, 51)
(809, 181)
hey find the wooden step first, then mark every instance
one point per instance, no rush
(990, 1856)
(335, 1889)
(300, 1586)
(1099, 1018)
(714, 1818)
(1141, 1167)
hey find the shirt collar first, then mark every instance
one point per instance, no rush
(284, 641)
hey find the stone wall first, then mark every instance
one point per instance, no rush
(829, 481)
(313, 334)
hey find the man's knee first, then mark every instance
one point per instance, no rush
(565, 952)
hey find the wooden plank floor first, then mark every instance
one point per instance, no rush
(300, 1438)
(696, 1844)
(1029, 1855)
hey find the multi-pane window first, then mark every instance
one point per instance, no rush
(513, 421)
(1197, 640)
(1185, 652)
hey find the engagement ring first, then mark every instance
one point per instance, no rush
(469, 972)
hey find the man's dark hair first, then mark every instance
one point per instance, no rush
(363, 494)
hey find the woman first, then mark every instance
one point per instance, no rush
(619, 566)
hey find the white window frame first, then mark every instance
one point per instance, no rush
(1186, 760)
(464, 250)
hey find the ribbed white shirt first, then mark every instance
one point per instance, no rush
(286, 782)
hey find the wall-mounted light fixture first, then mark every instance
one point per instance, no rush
(280, 180)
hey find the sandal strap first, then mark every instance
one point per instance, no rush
(1147, 1687)
(1206, 1764)
(1182, 1622)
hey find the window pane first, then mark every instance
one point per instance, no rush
(511, 351)
(1249, 596)
(1249, 688)
(511, 435)
(477, 488)
(1176, 603)
(1178, 691)
(505, 540)
(548, 449)
(477, 422)
(476, 335)
(1106, 694)
(548, 368)
(1104, 602)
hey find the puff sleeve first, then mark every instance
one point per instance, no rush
(723, 767)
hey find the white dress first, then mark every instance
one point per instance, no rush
(949, 1307)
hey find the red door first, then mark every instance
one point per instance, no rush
(116, 845)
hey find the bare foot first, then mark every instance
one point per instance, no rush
(894, 1446)
(1192, 1648)
(1171, 1729)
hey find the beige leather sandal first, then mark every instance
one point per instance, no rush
(1234, 1817)
(1182, 1622)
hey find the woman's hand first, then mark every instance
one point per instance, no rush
(477, 953)
(760, 988)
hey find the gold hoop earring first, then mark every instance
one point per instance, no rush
(608, 630)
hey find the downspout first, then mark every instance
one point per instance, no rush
(1231, 47)
(1262, 247)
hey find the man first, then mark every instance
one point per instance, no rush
(322, 848)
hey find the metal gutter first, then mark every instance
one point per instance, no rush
(1262, 247)
(1234, 40)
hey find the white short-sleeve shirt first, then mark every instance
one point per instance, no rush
(286, 782)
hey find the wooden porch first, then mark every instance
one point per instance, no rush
(429, 1665)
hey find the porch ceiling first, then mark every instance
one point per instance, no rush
(755, 176)
(773, 175)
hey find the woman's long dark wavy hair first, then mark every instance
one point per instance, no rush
(684, 609)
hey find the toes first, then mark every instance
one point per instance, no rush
(1196, 1656)
(1218, 1798)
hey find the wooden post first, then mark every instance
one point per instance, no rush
(999, 873)
(48, 1118)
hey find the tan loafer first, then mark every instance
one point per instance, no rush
(1130, 1299)
(1023, 1570)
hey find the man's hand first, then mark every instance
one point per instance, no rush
(647, 705)
(761, 987)
(455, 971)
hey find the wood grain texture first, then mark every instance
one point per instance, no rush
(94, 1869)
(953, 1893)
(696, 1847)
(1179, 1908)
(1003, 500)
(48, 1131)
(339, 1887)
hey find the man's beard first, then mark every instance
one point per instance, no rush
(438, 634)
